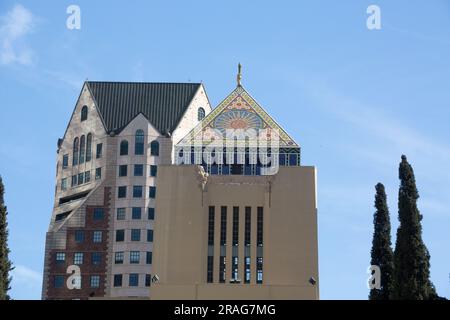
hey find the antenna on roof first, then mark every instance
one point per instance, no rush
(239, 75)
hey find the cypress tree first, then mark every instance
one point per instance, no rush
(411, 257)
(5, 264)
(381, 254)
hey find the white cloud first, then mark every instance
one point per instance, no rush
(24, 275)
(14, 26)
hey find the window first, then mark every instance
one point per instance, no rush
(200, 114)
(135, 257)
(75, 152)
(154, 148)
(117, 280)
(80, 178)
(118, 257)
(64, 184)
(98, 173)
(259, 270)
(138, 170)
(59, 281)
(78, 258)
(65, 162)
(74, 181)
(97, 237)
(235, 226)
(89, 147)
(135, 235)
(293, 159)
(151, 213)
(234, 268)
(96, 258)
(122, 192)
(139, 142)
(247, 270)
(148, 257)
(153, 171)
(211, 226)
(84, 113)
(121, 213)
(123, 170)
(120, 235)
(148, 280)
(82, 149)
(259, 227)
(248, 221)
(124, 148)
(79, 236)
(209, 272)
(223, 225)
(136, 213)
(99, 213)
(87, 176)
(133, 280)
(149, 235)
(137, 191)
(60, 257)
(222, 269)
(95, 281)
(152, 192)
(99, 150)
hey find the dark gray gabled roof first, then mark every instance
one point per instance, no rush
(163, 104)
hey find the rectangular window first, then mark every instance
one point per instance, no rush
(151, 213)
(123, 170)
(99, 150)
(97, 237)
(80, 178)
(135, 235)
(153, 171)
(60, 257)
(118, 257)
(148, 280)
(79, 236)
(58, 281)
(138, 170)
(248, 223)
(222, 269)
(78, 258)
(210, 272)
(133, 280)
(152, 192)
(137, 191)
(259, 226)
(117, 280)
(99, 213)
(247, 270)
(74, 180)
(149, 235)
(136, 213)
(87, 176)
(211, 226)
(135, 257)
(259, 270)
(98, 173)
(121, 213)
(223, 225)
(234, 268)
(120, 235)
(122, 192)
(95, 281)
(65, 162)
(96, 258)
(64, 184)
(148, 257)
(235, 226)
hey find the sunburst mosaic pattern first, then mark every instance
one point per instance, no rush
(238, 119)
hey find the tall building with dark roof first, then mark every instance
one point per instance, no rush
(100, 239)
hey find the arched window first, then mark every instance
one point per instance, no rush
(154, 148)
(75, 152)
(89, 147)
(200, 114)
(84, 113)
(139, 142)
(82, 149)
(124, 148)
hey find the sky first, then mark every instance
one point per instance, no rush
(354, 99)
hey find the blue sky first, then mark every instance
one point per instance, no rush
(354, 99)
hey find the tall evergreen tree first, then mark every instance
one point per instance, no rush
(5, 264)
(381, 254)
(411, 257)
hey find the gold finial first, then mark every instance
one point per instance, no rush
(239, 75)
